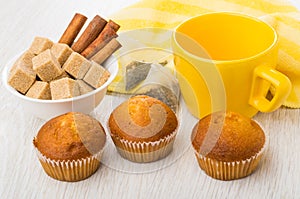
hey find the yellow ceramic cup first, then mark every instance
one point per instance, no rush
(226, 61)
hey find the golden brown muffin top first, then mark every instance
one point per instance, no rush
(240, 137)
(70, 136)
(142, 118)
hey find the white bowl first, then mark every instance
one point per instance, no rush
(47, 109)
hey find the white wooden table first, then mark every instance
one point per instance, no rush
(21, 175)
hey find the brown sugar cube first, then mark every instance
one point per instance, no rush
(46, 66)
(40, 44)
(84, 87)
(61, 52)
(21, 78)
(64, 88)
(39, 90)
(21, 75)
(25, 59)
(77, 65)
(96, 76)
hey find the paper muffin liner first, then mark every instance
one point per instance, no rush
(223, 170)
(70, 170)
(143, 152)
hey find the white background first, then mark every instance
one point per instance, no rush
(21, 175)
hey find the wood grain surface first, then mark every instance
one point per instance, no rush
(21, 176)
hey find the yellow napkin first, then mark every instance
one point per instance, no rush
(281, 14)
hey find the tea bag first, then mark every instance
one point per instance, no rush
(135, 73)
(161, 84)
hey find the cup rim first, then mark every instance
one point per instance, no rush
(275, 41)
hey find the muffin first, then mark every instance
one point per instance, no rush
(143, 129)
(228, 145)
(70, 146)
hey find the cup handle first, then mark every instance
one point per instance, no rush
(266, 75)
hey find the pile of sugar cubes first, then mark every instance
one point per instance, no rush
(54, 71)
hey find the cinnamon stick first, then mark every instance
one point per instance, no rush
(106, 51)
(90, 34)
(103, 38)
(73, 29)
(114, 25)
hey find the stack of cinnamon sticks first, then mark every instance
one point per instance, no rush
(97, 42)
